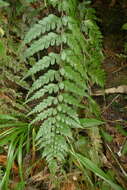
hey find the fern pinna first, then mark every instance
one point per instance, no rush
(73, 44)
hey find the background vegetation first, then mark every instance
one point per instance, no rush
(63, 95)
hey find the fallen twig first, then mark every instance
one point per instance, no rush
(119, 90)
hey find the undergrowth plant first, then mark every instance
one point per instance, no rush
(15, 19)
(11, 72)
(66, 45)
(11, 67)
(15, 134)
(67, 48)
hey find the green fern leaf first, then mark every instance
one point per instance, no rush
(47, 24)
(50, 76)
(64, 129)
(69, 121)
(48, 40)
(43, 26)
(43, 105)
(74, 60)
(45, 114)
(64, 108)
(74, 88)
(69, 99)
(50, 88)
(98, 76)
(73, 45)
(44, 63)
(45, 128)
(73, 75)
(58, 148)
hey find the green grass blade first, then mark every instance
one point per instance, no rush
(17, 124)
(95, 169)
(6, 117)
(11, 157)
(19, 156)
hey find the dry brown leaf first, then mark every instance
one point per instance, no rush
(3, 161)
(38, 177)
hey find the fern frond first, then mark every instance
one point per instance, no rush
(61, 77)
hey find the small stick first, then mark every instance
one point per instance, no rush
(119, 90)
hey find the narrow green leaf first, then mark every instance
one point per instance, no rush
(87, 123)
(106, 136)
(95, 169)
(3, 4)
(6, 117)
(124, 148)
